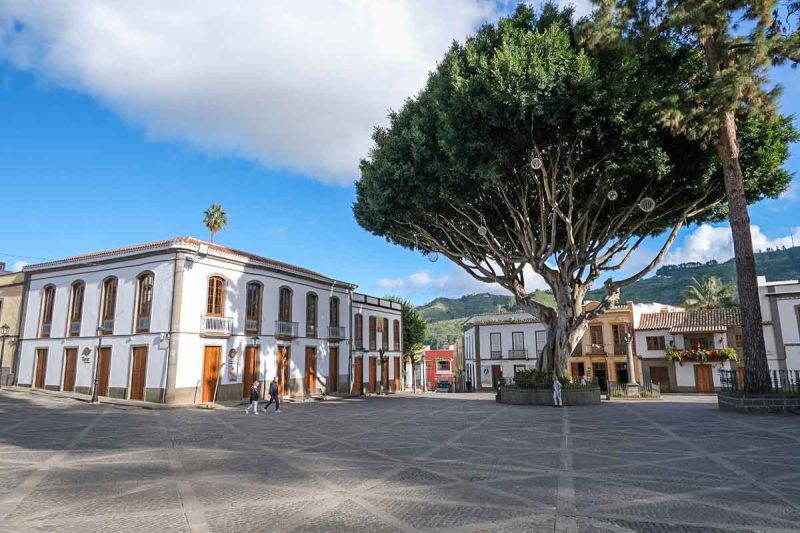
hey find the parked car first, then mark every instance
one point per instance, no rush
(443, 385)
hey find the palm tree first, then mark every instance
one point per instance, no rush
(215, 219)
(709, 293)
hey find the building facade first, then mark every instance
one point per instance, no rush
(377, 344)
(780, 311)
(184, 321)
(12, 288)
(496, 345)
(440, 365)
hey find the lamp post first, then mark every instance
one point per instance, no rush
(4, 334)
(96, 381)
(631, 368)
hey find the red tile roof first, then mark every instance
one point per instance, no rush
(180, 242)
(700, 321)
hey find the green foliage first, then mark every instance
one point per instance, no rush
(443, 333)
(702, 354)
(414, 329)
(619, 394)
(215, 219)
(648, 394)
(535, 379)
(709, 293)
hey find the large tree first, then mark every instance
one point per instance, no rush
(524, 152)
(739, 40)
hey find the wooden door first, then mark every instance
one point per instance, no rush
(310, 380)
(577, 370)
(660, 375)
(703, 379)
(250, 370)
(396, 374)
(284, 363)
(138, 372)
(104, 371)
(385, 375)
(41, 368)
(70, 368)
(373, 372)
(358, 375)
(211, 362)
(333, 370)
(497, 374)
(740, 375)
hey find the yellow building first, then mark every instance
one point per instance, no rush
(602, 353)
(12, 286)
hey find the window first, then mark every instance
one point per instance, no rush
(48, 296)
(495, 345)
(541, 341)
(285, 304)
(109, 304)
(215, 305)
(373, 335)
(359, 333)
(311, 315)
(442, 365)
(396, 335)
(385, 336)
(76, 309)
(618, 331)
(596, 334)
(704, 342)
(656, 343)
(334, 312)
(738, 340)
(517, 340)
(144, 301)
(252, 318)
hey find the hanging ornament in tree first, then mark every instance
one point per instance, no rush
(647, 204)
(433, 257)
(536, 163)
(612, 195)
(482, 231)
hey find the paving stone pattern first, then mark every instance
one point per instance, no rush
(401, 463)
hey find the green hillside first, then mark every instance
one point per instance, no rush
(445, 315)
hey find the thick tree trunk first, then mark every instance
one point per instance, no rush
(564, 331)
(755, 356)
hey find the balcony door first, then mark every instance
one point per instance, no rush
(333, 370)
(138, 372)
(70, 369)
(310, 380)
(211, 363)
(250, 370)
(104, 371)
(41, 368)
(283, 363)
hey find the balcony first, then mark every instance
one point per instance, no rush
(45, 330)
(285, 330)
(107, 326)
(143, 324)
(596, 349)
(336, 333)
(311, 331)
(620, 348)
(251, 326)
(496, 354)
(216, 326)
(518, 354)
(74, 329)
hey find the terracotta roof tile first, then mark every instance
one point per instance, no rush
(700, 321)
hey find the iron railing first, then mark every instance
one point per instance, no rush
(615, 388)
(107, 326)
(311, 331)
(336, 332)
(783, 381)
(285, 330)
(75, 329)
(251, 325)
(45, 330)
(216, 326)
(596, 349)
(518, 354)
(620, 348)
(496, 354)
(143, 324)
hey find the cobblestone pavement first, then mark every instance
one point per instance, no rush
(400, 463)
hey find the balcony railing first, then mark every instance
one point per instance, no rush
(251, 325)
(336, 333)
(74, 329)
(359, 344)
(143, 324)
(596, 349)
(311, 331)
(518, 354)
(216, 326)
(107, 326)
(620, 348)
(46, 330)
(496, 354)
(285, 330)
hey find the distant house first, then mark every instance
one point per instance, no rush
(440, 367)
(780, 311)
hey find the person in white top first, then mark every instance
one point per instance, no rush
(556, 392)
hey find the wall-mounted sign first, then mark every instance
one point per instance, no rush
(233, 369)
(86, 359)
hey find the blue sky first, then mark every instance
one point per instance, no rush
(106, 143)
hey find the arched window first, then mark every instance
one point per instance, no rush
(396, 332)
(76, 309)
(144, 301)
(334, 312)
(215, 303)
(358, 335)
(385, 336)
(109, 305)
(252, 321)
(311, 315)
(48, 297)
(285, 304)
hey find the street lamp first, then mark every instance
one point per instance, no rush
(381, 353)
(4, 334)
(631, 369)
(96, 381)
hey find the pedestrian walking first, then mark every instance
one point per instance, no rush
(273, 396)
(254, 396)
(556, 392)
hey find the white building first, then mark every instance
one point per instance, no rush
(496, 345)
(780, 311)
(377, 344)
(183, 321)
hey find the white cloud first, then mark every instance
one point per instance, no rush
(715, 242)
(297, 84)
(18, 265)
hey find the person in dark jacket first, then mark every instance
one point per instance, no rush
(273, 396)
(254, 396)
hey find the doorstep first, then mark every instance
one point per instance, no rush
(87, 398)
